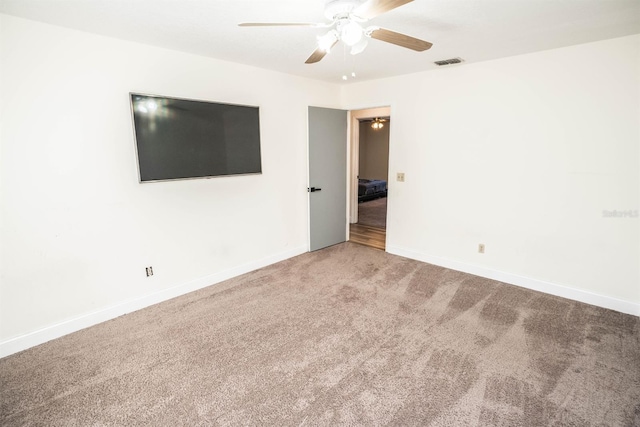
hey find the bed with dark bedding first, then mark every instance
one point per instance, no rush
(369, 189)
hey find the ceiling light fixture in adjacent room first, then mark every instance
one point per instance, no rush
(377, 123)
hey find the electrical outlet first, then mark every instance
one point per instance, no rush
(149, 271)
(481, 248)
(400, 177)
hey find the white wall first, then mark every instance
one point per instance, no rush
(522, 154)
(78, 230)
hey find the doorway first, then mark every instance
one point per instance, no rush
(369, 141)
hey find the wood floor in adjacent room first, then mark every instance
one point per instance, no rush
(367, 235)
(370, 230)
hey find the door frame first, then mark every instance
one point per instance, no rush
(354, 153)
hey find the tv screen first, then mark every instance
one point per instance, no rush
(181, 138)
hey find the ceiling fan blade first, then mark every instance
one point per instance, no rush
(280, 24)
(318, 54)
(400, 39)
(372, 8)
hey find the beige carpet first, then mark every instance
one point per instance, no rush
(373, 213)
(344, 336)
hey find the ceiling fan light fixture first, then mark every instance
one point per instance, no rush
(327, 41)
(360, 46)
(351, 33)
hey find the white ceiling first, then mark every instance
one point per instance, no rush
(475, 30)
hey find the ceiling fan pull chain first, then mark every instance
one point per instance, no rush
(344, 62)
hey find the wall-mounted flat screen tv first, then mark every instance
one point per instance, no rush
(182, 138)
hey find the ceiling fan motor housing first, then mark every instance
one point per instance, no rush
(336, 9)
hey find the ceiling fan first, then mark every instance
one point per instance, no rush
(346, 19)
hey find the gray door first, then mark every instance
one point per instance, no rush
(327, 177)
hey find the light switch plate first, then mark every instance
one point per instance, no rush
(400, 176)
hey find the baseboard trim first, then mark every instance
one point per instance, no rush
(522, 281)
(58, 330)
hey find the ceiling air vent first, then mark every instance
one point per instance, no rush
(448, 61)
